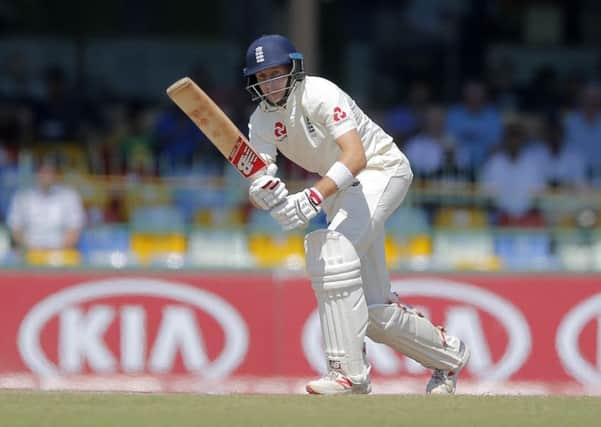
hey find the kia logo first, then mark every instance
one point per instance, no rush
(81, 335)
(566, 341)
(385, 361)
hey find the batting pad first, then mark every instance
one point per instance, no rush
(408, 332)
(335, 271)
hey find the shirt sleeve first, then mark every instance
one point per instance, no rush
(336, 112)
(266, 149)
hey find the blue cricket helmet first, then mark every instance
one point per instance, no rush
(270, 51)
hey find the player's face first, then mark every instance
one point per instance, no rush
(272, 82)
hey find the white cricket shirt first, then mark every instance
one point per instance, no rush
(316, 113)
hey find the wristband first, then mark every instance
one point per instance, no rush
(341, 175)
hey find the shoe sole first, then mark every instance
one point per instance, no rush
(310, 390)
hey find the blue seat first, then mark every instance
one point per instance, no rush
(189, 199)
(524, 250)
(407, 221)
(106, 245)
(260, 221)
(158, 219)
(106, 238)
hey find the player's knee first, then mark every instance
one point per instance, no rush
(332, 261)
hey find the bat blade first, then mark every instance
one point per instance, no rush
(217, 127)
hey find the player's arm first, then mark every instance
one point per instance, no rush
(352, 158)
(15, 220)
(75, 218)
(71, 237)
(301, 207)
(266, 191)
(334, 111)
(18, 236)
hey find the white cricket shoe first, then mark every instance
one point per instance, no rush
(336, 383)
(445, 382)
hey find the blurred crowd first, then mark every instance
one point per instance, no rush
(510, 143)
(504, 141)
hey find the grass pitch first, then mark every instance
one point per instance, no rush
(54, 409)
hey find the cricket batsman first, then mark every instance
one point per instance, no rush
(364, 178)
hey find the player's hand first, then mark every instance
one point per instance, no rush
(267, 191)
(298, 209)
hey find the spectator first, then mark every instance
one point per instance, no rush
(47, 215)
(57, 117)
(512, 181)
(136, 145)
(563, 165)
(475, 125)
(432, 151)
(583, 127)
(178, 140)
(405, 120)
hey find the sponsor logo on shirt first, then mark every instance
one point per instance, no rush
(339, 114)
(280, 132)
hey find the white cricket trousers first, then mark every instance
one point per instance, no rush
(360, 213)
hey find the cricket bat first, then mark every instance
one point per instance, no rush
(217, 127)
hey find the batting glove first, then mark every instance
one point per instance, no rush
(298, 209)
(268, 191)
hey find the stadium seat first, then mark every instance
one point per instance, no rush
(464, 250)
(408, 241)
(596, 255)
(524, 249)
(408, 220)
(219, 217)
(158, 247)
(260, 221)
(218, 249)
(106, 246)
(191, 199)
(94, 192)
(158, 235)
(53, 258)
(277, 249)
(146, 194)
(578, 250)
(157, 219)
(451, 217)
